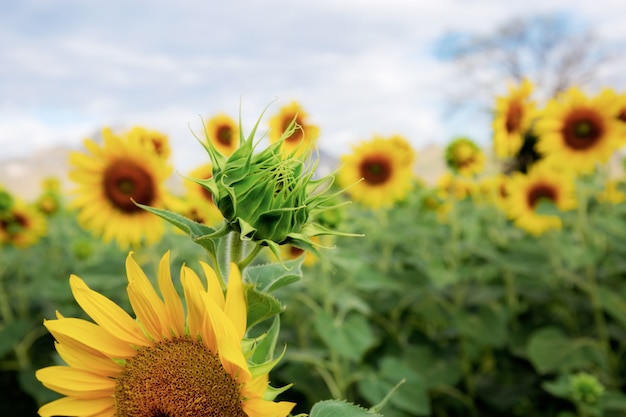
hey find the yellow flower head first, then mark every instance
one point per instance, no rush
(172, 359)
(152, 140)
(110, 179)
(376, 173)
(576, 132)
(464, 157)
(22, 225)
(304, 136)
(527, 191)
(223, 132)
(514, 114)
(403, 145)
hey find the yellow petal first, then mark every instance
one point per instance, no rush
(81, 357)
(145, 301)
(195, 308)
(91, 335)
(214, 285)
(173, 303)
(235, 305)
(107, 314)
(259, 407)
(228, 342)
(76, 407)
(76, 382)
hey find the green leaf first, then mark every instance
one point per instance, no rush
(261, 306)
(350, 338)
(336, 408)
(12, 333)
(487, 327)
(199, 233)
(614, 304)
(272, 276)
(550, 350)
(614, 400)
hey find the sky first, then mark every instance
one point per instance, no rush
(68, 68)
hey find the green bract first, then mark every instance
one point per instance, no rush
(267, 196)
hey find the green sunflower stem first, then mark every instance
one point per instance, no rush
(236, 247)
(250, 257)
(591, 287)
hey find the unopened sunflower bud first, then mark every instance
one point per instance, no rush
(268, 197)
(586, 388)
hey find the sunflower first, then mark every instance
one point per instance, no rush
(195, 190)
(22, 225)
(153, 140)
(612, 192)
(303, 137)
(464, 157)
(223, 132)
(541, 183)
(405, 147)
(514, 114)
(161, 363)
(452, 186)
(619, 110)
(376, 172)
(576, 132)
(113, 176)
(494, 189)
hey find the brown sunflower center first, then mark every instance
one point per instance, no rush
(14, 224)
(540, 192)
(582, 129)
(126, 179)
(621, 116)
(297, 134)
(294, 251)
(514, 117)
(176, 378)
(375, 169)
(224, 135)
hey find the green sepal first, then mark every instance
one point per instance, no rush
(271, 393)
(266, 367)
(264, 349)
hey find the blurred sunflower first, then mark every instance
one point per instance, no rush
(376, 173)
(514, 114)
(464, 157)
(577, 132)
(611, 193)
(494, 189)
(110, 178)
(195, 190)
(223, 132)
(619, 110)
(527, 191)
(49, 201)
(153, 140)
(290, 252)
(405, 147)
(304, 135)
(451, 186)
(21, 225)
(161, 363)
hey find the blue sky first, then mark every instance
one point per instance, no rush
(358, 67)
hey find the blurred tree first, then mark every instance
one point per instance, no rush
(553, 51)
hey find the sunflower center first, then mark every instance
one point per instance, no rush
(124, 180)
(297, 134)
(514, 117)
(583, 129)
(176, 378)
(14, 224)
(224, 135)
(621, 116)
(375, 170)
(540, 192)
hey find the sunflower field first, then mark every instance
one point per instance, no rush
(263, 289)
